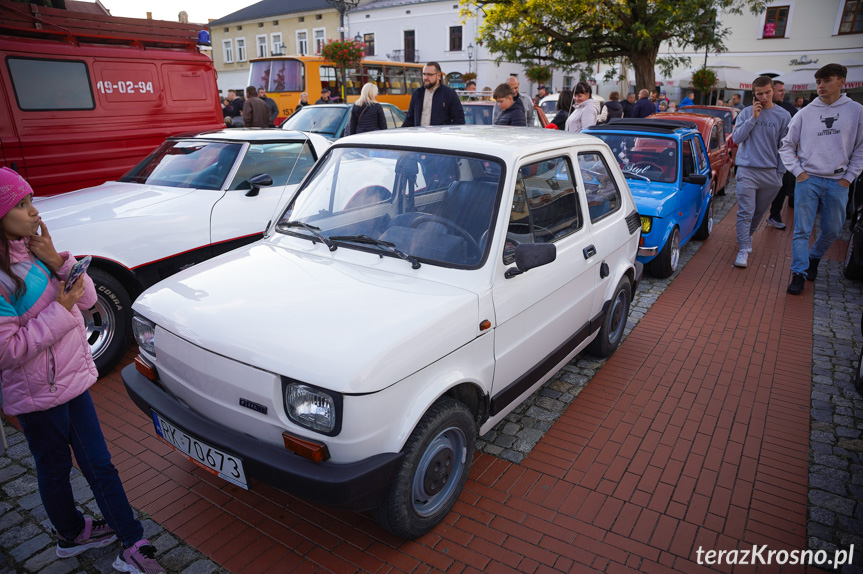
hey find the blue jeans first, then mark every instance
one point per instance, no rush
(808, 195)
(49, 434)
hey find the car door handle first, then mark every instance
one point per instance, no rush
(589, 251)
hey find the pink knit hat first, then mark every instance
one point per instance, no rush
(13, 189)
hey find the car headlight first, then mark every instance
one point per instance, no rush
(646, 224)
(313, 408)
(145, 333)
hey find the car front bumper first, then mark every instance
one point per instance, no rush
(360, 485)
(648, 251)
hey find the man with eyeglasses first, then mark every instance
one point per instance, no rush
(434, 104)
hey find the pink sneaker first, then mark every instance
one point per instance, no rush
(139, 559)
(96, 534)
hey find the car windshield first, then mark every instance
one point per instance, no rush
(435, 207)
(549, 107)
(726, 116)
(316, 119)
(651, 157)
(478, 114)
(186, 163)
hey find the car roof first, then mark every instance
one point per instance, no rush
(704, 122)
(244, 134)
(662, 126)
(508, 143)
(705, 107)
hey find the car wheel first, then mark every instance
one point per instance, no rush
(706, 227)
(853, 255)
(437, 460)
(108, 322)
(858, 379)
(664, 264)
(614, 322)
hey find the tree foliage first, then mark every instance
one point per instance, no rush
(567, 34)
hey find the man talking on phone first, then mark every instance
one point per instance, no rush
(758, 131)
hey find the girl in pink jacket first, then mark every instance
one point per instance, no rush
(46, 370)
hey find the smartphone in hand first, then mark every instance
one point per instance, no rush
(77, 270)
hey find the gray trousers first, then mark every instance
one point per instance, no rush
(756, 189)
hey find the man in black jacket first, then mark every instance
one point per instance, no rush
(644, 107)
(434, 104)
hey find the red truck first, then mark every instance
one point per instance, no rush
(86, 96)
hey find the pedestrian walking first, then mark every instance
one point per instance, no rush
(824, 151)
(434, 104)
(787, 189)
(367, 115)
(46, 369)
(758, 132)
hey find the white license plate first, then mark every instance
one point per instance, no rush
(211, 459)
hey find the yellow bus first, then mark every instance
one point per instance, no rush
(286, 77)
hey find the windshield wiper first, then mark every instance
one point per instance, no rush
(391, 247)
(644, 177)
(313, 230)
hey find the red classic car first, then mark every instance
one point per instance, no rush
(727, 115)
(715, 138)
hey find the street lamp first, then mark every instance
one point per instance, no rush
(358, 39)
(341, 7)
(470, 58)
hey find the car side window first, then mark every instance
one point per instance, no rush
(714, 137)
(391, 119)
(545, 206)
(700, 154)
(286, 162)
(688, 158)
(720, 131)
(600, 189)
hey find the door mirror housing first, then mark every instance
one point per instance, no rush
(257, 182)
(696, 178)
(530, 255)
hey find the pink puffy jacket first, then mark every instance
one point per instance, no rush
(45, 359)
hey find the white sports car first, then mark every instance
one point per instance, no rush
(193, 198)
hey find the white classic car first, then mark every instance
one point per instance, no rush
(420, 285)
(193, 198)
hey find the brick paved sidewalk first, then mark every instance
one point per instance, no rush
(695, 433)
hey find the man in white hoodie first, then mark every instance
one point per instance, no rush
(824, 151)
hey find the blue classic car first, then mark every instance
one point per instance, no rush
(667, 168)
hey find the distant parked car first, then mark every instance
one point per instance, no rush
(420, 285)
(727, 115)
(331, 120)
(193, 198)
(480, 114)
(713, 133)
(854, 213)
(666, 164)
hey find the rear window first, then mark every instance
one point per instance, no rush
(43, 85)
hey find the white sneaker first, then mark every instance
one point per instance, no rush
(742, 256)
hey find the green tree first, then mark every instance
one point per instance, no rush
(566, 33)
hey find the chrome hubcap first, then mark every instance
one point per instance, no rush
(675, 249)
(710, 218)
(101, 325)
(618, 317)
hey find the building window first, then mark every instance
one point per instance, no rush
(228, 51)
(302, 18)
(239, 27)
(775, 22)
(852, 17)
(275, 22)
(261, 44)
(227, 29)
(302, 43)
(410, 43)
(455, 38)
(320, 39)
(567, 82)
(260, 24)
(318, 16)
(369, 41)
(241, 49)
(276, 43)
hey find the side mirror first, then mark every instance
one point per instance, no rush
(257, 182)
(696, 178)
(530, 255)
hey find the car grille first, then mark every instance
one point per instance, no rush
(633, 221)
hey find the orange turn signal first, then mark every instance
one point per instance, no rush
(485, 325)
(314, 451)
(145, 368)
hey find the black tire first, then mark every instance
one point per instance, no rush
(858, 378)
(614, 322)
(418, 499)
(666, 263)
(853, 255)
(109, 321)
(706, 227)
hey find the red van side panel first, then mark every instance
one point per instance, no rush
(141, 95)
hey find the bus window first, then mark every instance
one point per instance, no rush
(328, 80)
(354, 82)
(286, 76)
(413, 78)
(396, 79)
(375, 75)
(260, 75)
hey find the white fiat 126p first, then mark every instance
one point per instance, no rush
(420, 285)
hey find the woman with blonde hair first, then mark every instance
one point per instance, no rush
(367, 115)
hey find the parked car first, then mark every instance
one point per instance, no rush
(727, 115)
(481, 114)
(421, 284)
(666, 164)
(331, 120)
(193, 198)
(854, 214)
(713, 133)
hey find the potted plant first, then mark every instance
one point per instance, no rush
(343, 54)
(703, 80)
(538, 74)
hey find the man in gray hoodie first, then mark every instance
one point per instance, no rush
(758, 131)
(824, 151)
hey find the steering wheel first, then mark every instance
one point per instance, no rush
(449, 224)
